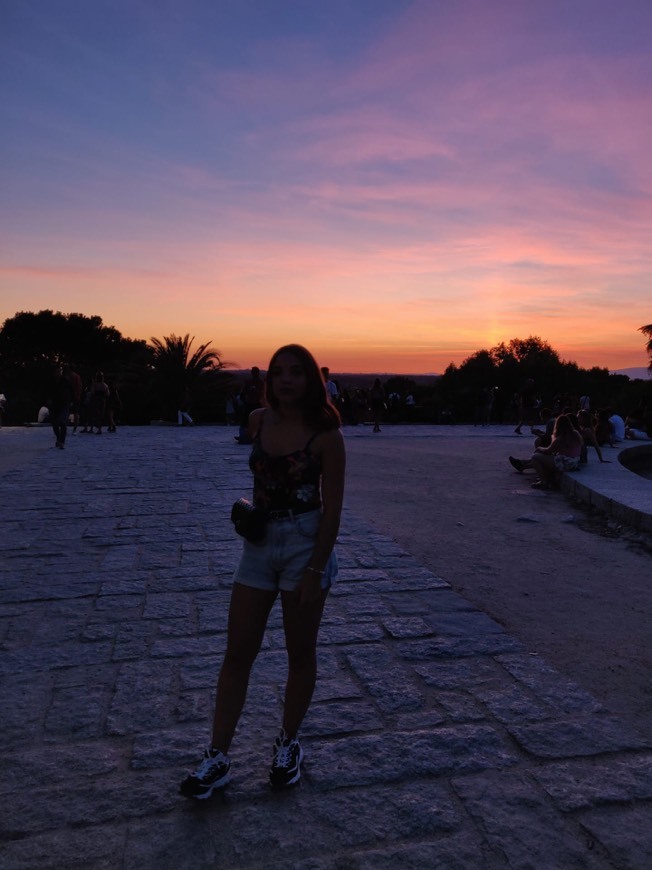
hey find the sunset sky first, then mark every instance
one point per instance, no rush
(393, 184)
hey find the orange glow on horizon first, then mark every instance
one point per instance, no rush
(396, 188)
(397, 358)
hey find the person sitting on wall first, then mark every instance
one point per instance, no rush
(635, 428)
(587, 431)
(543, 437)
(618, 427)
(563, 454)
(604, 429)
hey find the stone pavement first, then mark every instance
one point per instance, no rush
(435, 740)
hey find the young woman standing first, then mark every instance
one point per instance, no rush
(298, 462)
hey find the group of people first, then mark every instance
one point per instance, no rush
(563, 453)
(68, 402)
(355, 406)
(610, 428)
(100, 406)
(563, 440)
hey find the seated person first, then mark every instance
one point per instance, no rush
(544, 436)
(589, 437)
(563, 454)
(618, 425)
(635, 428)
(604, 429)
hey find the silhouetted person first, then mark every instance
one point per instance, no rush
(60, 399)
(252, 399)
(99, 399)
(377, 400)
(525, 405)
(297, 461)
(183, 413)
(85, 417)
(113, 407)
(76, 399)
(331, 386)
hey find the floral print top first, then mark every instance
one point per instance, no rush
(289, 482)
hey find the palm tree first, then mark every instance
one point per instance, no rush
(647, 331)
(173, 354)
(179, 370)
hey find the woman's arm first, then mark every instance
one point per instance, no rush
(591, 441)
(333, 463)
(553, 447)
(255, 421)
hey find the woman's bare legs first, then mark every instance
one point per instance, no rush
(248, 614)
(301, 625)
(544, 465)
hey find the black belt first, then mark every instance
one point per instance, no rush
(288, 513)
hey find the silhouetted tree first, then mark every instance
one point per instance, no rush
(49, 337)
(515, 361)
(31, 344)
(177, 369)
(647, 331)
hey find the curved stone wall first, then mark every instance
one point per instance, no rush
(638, 459)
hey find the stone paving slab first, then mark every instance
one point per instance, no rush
(434, 739)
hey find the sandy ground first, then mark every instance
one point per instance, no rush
(570, 587)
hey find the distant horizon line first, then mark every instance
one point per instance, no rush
(642, 372)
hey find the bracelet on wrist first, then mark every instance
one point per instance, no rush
(314, 570)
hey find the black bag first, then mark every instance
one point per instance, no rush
(249, 521)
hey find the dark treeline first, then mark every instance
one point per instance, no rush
(486, 387)
(152, 377)
(532, 363)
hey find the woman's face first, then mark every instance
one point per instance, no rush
(288, 378)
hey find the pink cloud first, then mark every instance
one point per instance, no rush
(462, 160)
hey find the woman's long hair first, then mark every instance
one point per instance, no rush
(317, 408)
(565, 430)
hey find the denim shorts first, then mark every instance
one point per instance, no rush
(566, 463)
(280, 559)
